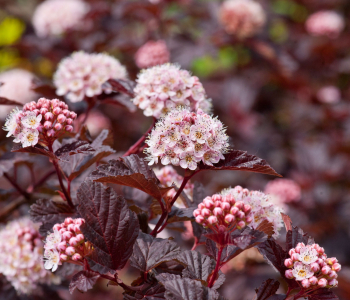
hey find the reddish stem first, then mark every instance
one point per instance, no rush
(217, 268)
(17, 187)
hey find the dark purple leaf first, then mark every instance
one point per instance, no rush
(323, 294)
(130, 171)
(75, 147)
(83, 281)
(180, 214)
(296, 236)
(241, 161)
(5, 101)
(198, 196)
(287, 221)
(37, 149)
(149, 292)
(149, 252)
(46, 90)
(122, 101)
(267, 288)
(172, 267)
(266, 227)
(49, 213)
(122, 86)
(109, 225)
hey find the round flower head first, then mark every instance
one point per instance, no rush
(82, 75)
(15, 85)
(286, 190)
(39, 122)
(243, 18)
(262, 207)
(162, 88)
(325, 23)
(167, 176)
(21, 251)
(329, 94)
(185, 138)
(151, 54)
(55, 17)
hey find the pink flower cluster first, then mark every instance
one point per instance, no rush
(167, 176)
(310, 265)
(286, 190)
(329, 94)
(325, 23)
(83, 74)
(55, 17)
(223, 212)
(243, 18)
(162, 88)
(186, 138)
(65, 244)
(151, 54)
(41, 121)
(21, 251)
(262, 207)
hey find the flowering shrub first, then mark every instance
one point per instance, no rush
(151, 54)
(162, 88)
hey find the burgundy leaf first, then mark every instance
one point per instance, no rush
(37, 149)
(267, 288)
(287, 221)
(149, 292)
(180, 214)
(296, 236)
(323, 294)
(130, 171)
(241, 161)
(172, 267)
(5, 101)
(122, 86)
(121, 101)
(149, 252)
(46, 90)
(75, 147)
(266, 227)
(109, 225)
(83, 281)
(49, 213)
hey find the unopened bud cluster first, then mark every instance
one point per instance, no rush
(162, 88)
(83, 74)
(21, 250)
(220, 211)
(186, 138)
(66, 243)
(263, 207)
(39, 122)
(151, 54)
(309, 265)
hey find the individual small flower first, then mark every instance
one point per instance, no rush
(151, 54)
(286, 190)
(301, 271)
(52, 259)
(329, 94)
(175, 139)
(168, 176)
(39, 122)
(83, 75)
(243, 18)
(21, 251)
(262, 207)
(55, 17)
(162, 88)
(325, 23)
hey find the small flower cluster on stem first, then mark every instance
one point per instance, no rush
(309, 266)
(151, 54)
(186, 138)
(39, 122)
(66, 244)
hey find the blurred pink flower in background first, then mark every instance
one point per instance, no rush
(243, 18)
(96, 122)
(325, 23)
(16, 85)
(286, 190)
(54, 17)
(329, 94)
(151, 54)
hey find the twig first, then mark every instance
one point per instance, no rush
(17, 187)
(11, 207)
(217, 268)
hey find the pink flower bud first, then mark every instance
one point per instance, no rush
(70, 251)
(63, 257)
(208, 203)
(216, 197)
(76, 257)
(249, 219)
(79, 221)
(218, 211)
(239, 204)
(73, 241)
(320, 261)
(68, 221)
(57, 227)
(325, 270)
(77, 228)
(66, 112)
(333, 274)
(301, 245)
(313, 280)
(80, 237)
(225, 206)
(315, 267)
(305, 283)
(62, 246)
(27, 236)
(333, 282)
(291, 251)
(247, 208)
(288, 263)
(199, 219)
(201, 206)
(196, 212)
(333, 260)
(297, 249)
(69, 121)
(48, 116)
(336, 267)
(321, 250)
(62, 230)
(47, 125)
(295, 256)
(43, 111)
(57, 110)
(240, 215)
(230, 199)
(234, 210)
(73, 115)
(212, 220)
(229, 218)
(70, 227)
(58, 126)
(51, 132)
(61, 118)
(69, 128)
(240, 224)
(322, 282)
(289, 274)
(205, 212)
(67, 235)
(217, 203)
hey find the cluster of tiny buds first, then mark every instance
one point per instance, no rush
(218, 210)
(65, 243)
(310, 265)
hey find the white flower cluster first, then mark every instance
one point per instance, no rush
(83, 74)
(186, 138)
(162, 88)
(21, 251)
(263, 207)
(55, 17)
